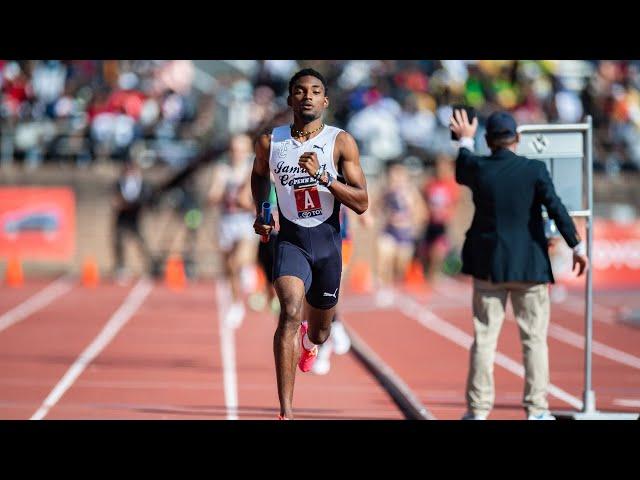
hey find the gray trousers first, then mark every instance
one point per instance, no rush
(530, 303)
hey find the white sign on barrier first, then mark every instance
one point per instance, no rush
(563, 153)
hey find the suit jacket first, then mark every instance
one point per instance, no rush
(506, 240)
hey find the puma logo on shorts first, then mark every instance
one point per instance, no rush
(326, 294)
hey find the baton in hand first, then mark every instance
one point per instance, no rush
(266, 219)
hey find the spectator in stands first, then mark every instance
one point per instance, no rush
(377, 98)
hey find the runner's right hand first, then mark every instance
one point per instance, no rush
(260, 228)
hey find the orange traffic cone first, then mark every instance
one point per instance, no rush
(361, 279)
(14, 275)
(414, 276)
(261, 279)
(174, 275)
(90, 272)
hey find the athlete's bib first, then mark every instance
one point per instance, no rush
(307, 200)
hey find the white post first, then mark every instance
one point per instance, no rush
(589, 396)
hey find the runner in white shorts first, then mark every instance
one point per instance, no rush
(231, 191)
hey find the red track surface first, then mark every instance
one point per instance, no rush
(166, 361)
(436, 367)
(348, 391)
(10, 297)
(36, 352)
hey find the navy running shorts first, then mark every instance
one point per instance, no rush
(319, 266)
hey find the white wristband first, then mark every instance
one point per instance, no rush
(467, 142)
(580, 249)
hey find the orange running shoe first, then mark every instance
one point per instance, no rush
(281, 417)
(307, 357)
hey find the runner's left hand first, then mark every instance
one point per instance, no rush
(309, 161)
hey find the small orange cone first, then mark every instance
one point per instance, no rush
(14, 275)
(261, 279)
(361, 279)
(174, 276)
(414, 276)
(90, 272)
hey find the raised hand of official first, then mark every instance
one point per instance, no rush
(460, 124)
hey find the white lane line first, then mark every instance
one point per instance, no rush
(133, 301)
(575, 306)
(36, 302)
(627, 402)
(368, 303)
(430, 320)
(598, 348)
(228, 353)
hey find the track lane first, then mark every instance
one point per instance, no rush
(347, 392)
(37, 351)
(164, 364)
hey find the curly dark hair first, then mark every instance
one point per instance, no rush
(307, 72)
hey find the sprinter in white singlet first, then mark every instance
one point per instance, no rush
(316, 168)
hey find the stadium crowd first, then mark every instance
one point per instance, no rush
(88, 109)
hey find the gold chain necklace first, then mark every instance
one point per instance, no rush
(300, 133)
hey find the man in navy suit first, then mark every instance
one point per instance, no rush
(505, 251)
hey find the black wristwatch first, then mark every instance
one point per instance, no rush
(329, 180)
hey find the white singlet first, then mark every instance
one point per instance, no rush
(301, 199)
